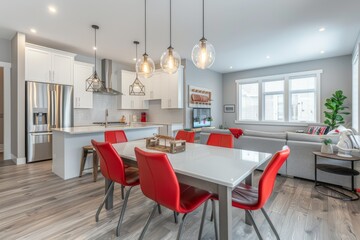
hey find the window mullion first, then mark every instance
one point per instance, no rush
(286, 99)
(261, 101)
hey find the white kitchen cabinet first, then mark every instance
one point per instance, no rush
(173, 89)
(82, 98)
(131, 102)
(48, 65)
(153, 86)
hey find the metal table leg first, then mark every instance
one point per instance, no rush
(248, 181)
(225, 213)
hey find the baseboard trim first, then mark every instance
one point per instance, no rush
(18, 161)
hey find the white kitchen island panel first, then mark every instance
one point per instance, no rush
(68, 143)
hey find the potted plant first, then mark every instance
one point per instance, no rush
(326, 146)
(210, 119)
(336, 110)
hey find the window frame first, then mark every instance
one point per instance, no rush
(287, 93)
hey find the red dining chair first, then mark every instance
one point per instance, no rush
(159, 183)
(112, 168)
(188, 136)
(116, 136)
(250, 198)
(220, 140)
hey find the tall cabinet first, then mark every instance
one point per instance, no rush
(82, 98)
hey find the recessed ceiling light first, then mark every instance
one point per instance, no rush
(322, 29)
(52, 9)
(322, 51)
(230, 67)
(267, 57)
(94, 48)
(33, 30)
(134, 59)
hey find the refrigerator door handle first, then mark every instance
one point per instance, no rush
(41, 134)
(52, 100)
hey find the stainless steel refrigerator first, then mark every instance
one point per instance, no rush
(47, 106)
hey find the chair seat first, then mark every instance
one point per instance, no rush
(132, 176)
(243, 196)
(191, 198)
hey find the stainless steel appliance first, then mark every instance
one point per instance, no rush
(47, 106)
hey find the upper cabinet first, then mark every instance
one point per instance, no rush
(82, 98)
(48, 65)
(130, 102)
(169, 88)
(173, 89)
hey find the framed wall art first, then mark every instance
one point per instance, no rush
(229, 108)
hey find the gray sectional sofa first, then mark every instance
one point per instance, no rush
(301, 161)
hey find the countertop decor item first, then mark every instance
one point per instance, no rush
(165, 144)
(94, 83)
(170, 60)
(136, 88)
(145, 66)
(336, 110)
(203, 53)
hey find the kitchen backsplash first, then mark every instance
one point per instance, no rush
(102, 102)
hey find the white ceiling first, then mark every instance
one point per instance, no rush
(243, 32)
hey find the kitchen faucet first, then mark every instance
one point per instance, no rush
(106, 117)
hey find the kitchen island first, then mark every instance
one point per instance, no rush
(68, 143)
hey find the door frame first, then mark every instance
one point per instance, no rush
(7, 109)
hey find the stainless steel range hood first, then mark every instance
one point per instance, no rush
(106, 74)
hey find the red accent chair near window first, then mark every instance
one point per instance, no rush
(221, 140)
(112, 168)
(250, 198)
(116, 136)
(188, 136)
(159, 183)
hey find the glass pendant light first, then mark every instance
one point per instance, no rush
(137, 88)
(94, 83)
(203, 53)
(170, 60)
(145, 66)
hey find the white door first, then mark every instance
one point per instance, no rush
(37, 65)
(62, 72)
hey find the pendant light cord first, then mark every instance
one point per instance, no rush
(170, 24)
(203, 12)
(95, 49)
(145, 26)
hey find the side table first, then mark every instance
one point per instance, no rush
(340, 170)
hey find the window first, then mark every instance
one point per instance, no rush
(290, 97)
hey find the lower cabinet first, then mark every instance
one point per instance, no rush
(82, 98)
(130, 102)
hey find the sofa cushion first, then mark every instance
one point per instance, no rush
(278, 135)
(214, 130)
(304, 137)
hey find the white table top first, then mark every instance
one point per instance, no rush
(97, 129)
(219, 165)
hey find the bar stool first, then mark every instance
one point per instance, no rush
(85, 151)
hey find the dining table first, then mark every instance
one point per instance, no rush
(215, 169)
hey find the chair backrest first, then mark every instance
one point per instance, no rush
(110, 161)
(157, 179)
(220, 140)
(267, 180)
(188, 136)
(117, 136)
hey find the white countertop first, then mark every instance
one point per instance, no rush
(97, 128)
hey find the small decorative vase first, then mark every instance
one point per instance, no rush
(327, 149)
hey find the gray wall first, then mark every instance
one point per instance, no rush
(5, 50)
(18, 97)
(336, 75)
(205, 79)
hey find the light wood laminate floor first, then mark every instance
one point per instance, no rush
(36, 204)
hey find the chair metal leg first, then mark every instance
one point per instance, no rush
(270, 223)
(95, 165)
(159, 208)
(215, 221)
(181, 227)
(148, 221)
(82, 164)
(254, 224)
(122, 192)
(176, 217)
(202, 220)
(103, 202)
(123, 212)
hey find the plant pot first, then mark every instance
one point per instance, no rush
(327, 149)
